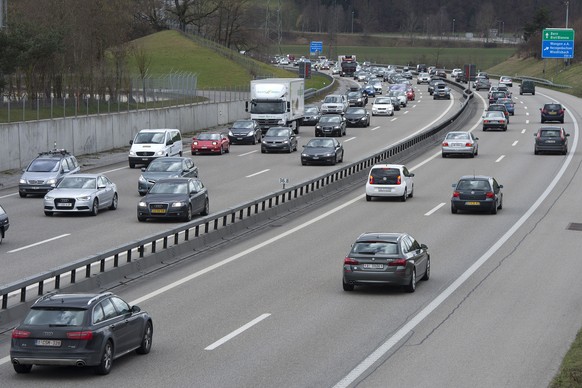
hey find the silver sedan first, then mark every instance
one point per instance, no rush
(460, 143)
(79, 193)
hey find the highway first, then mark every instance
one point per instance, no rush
(500, 309)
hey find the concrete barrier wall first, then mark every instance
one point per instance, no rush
(21, 142)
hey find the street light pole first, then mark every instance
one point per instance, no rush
(567, 10)
(453, 27)
(352, 22)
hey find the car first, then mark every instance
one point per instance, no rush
(369, 90)
(509, 105)
(174, 198)
(441, 73)
(46, 171)
(390, 180)
(494, 119)
(421, 68)
(279, 139)
(407, 74)
(460, 143)
(483, 74)
(482, 83)
(395, 101)
(311, 115)
(355, 98)
(150, 144)
(456, 73)
(382, 106)
(410, 94)
(504, 88)
(83, 330)
(422, 78)
(326, 151)
(335, 70)
(401, 95)
(4, 223)
(495, 95)
(551, 139)
(382, 258)
(552, 112)
(210, 143)
(334, 103)
(441, 91)
(357, 117)
(432, 84)
(244, 131)
(499, 107)
(477, 193)
(377, 86)
(505, 80)
(331, 125)
(82, 193)
(479, 79)
(527, 86)
(284, 61)
(169, 167)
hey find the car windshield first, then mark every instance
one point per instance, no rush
(161, 165)
(457, 135)
(74, 182)
(277, 132)
(44, 165)
(383, 101)
(330, 119)
(2, 211)
(208, 136)
(149, 138)
(331, 99)
(375, 247)
(553, 107)
(170, 188)
(354, 95)
(242, 124)
(317, 143)
(311, 110)
(54, 317)
(480, 185)
(356, 111)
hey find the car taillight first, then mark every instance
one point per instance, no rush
(561, 112)
(80, 335)
(562, 136)
(445, 144)
(468, 144)
(398, 181)
(539, 135)
(490, 194)
(456, 194)
(350, 261)
(20, 333)
(371, 180)
(397, 263)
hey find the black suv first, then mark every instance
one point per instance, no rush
(79, 330)
(552, 112)
(527, 86)
(46, 171)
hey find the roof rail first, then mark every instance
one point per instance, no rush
(97, 297)
(46, 296)
(55, 151)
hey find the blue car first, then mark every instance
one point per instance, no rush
(370, 90)
(509, 104)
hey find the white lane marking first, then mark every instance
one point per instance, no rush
(500, 158)
(115, 169)
(523, 131)
(248, 153)
(373, 129)
(437, 207)
(405, 330)
(406, 112)
(39, 243)
(414, 106)
(8, 195)
(525, 107)
(395, 118)
(351, 138)
(4, 360)
(237, 332)
(257, 173)
(514, 143)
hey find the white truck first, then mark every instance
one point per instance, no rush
(277, 102)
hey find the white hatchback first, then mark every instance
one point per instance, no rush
(383, 106)
(390, 180)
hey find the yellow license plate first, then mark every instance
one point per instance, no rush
(159, 211)
(472, 203)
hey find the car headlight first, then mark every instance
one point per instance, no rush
(51, 182)
(363, 118)
(48, 198)
(281, 122)
(285, 141)
(22, 181)
(214, 143)
(337, 127)
(304, 155)
(142, 204)
(160, 153)
(230, 133)
(83, 198)
(251, 133)
(131, 153)
(318, 127)
(329, 154)
(141, 179)
(179, 204)
(194, 143)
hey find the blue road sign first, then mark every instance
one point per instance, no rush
(315, 47)
(557, 49)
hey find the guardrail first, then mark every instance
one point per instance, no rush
(132, 260)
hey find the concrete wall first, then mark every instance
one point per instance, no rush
(21, 142)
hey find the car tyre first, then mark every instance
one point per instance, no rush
(47, 213)
(536, 152)
(114, 202)
(453, 209)
(427, 272)
(404, 196)
(22, 195)
(188, 216)
(411, 287)
(206, 209)
(347, 286)
(95, 207)
(131, 165)
(494, 208)
(411, 192)
(141, 219)
(444, 155)
(146, 341)
(20, 368)
(104, 366)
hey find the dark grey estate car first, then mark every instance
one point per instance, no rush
(386, 259)
(165, 167)
(551, 139)
(79, 330)
(4, 223)
(46, 171)
(477, 193)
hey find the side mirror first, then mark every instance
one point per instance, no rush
(423, 246)
(135, 309)
(131, 142)
(143, 169)
(500, 186)
(454, 185)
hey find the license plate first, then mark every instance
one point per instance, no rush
(316, 157)
(204, 148)
(239, 138)
(373, 266)
(456, 145)
(158, 211)
(66, 204)
(144, 159)
(472, 203)
(553, 113)
(383, 190)
(54, 343)
(550, 141)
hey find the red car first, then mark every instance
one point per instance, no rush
(410, 95)
(210, 143)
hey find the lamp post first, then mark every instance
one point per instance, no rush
(453, 27)
(567, 9)
(352, 22)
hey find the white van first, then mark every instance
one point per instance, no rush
(149, 144)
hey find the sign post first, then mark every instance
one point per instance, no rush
(558, 43)
(315, 48)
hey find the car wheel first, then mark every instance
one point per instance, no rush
(263, 151)
(453, 209)
(565, 152)
(347, 286)
(188, 216)
(20, 368)
(536, 152)
(562, 121)
(47, 213)
(505, 129)
(472, 155)
(427, 272)
(342, 158)
(368, 198)
(484, 129)
(411, 192)
(141, 219)
(146, 341)
(303, 163)
(95, 208)
(404, 196)
(500, 203)
(22, 195)
(254, 140)
(494, 208)
(131, 165)
(206, 209)
(104, 366)
(444, 155)
(221, 152)
(114, 202)
(411, 287)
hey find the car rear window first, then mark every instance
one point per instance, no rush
(553, 106)
(54, 317)
(385, 176)
(375, 247)
(550, 133)
(473, 185)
